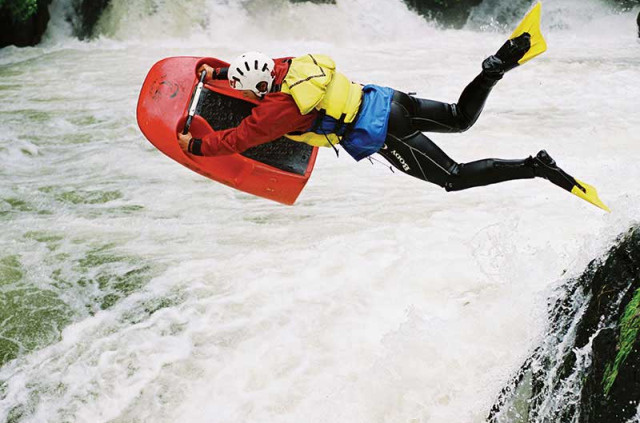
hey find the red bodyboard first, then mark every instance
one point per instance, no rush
(277, 171)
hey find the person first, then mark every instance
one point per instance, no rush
(306, 99)
(295, 100)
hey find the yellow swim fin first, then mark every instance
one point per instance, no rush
(590, 194)
(531, 24)
(546, 167)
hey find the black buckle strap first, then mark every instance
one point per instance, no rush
(318, 122)
(341, 127)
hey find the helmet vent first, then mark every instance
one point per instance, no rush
(251, 71)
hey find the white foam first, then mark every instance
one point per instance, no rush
(377, 297)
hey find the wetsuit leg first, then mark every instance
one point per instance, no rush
(411, 152)
(435, 116)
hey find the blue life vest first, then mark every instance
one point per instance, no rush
(369, 131)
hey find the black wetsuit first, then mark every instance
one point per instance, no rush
(412, 152)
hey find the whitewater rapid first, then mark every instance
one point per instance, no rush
(137, 290)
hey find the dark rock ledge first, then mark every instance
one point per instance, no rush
(588, 368)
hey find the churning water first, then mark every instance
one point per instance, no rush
(133, 290)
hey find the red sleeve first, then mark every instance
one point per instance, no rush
(275, 116)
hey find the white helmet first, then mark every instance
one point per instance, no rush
(252, 71)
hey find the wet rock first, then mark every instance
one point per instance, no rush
(588, 367)
(26, 30)
(453, 13)
(86, 16)
(314, 1)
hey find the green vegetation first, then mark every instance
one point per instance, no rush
(629, 327)
(19, 10)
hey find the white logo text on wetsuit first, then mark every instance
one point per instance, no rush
(404, 164)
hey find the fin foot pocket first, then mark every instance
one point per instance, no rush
(513, 50)
(531, 24)
(525, 43)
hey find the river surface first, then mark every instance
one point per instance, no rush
(133, 290)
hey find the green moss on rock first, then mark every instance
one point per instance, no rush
(629, 327)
